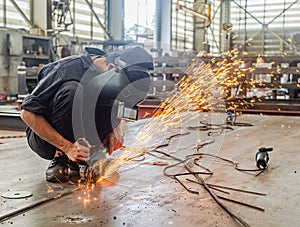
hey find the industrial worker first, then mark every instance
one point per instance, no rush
(64, 107)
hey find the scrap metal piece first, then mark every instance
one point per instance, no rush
(16, 194)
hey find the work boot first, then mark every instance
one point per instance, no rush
(57, 171)
(74, 175)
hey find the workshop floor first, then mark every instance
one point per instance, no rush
(139, 194)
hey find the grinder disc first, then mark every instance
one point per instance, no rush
(16, 194)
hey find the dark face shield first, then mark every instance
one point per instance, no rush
(114, 95)
(127, 85)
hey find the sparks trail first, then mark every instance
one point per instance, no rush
(196, 92)
(203, 89)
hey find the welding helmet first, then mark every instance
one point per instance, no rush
(114, 94)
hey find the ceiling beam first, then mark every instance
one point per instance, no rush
(98, 20)
(22, 14)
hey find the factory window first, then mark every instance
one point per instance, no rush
(265, 27)
(85, 23)
(11, 17)
(80, 21)
(182, 27)
(139, 20)
(186, 24)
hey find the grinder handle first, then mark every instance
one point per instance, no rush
(265, 149)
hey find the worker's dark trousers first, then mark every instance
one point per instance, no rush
(60, 118)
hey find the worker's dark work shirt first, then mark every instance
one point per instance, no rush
(74, 68)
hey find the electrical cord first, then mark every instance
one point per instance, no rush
(206, 126)
(197, 174)
(195, 158)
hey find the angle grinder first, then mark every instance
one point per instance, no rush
(262, 157)
(92, 170)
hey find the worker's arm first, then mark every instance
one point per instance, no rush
(40, 126)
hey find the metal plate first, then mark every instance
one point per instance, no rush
(16, 194)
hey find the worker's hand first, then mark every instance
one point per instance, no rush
(115, 139)
(78, 152)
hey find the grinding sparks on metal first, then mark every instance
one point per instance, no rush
(196, 92)
(203, 89)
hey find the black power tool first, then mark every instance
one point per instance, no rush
(262, 157)
(92, 170)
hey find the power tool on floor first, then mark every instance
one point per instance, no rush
(229, 118)
(262, 157)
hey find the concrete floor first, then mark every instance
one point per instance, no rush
(139, 194)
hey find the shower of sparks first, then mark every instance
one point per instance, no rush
(204, 88)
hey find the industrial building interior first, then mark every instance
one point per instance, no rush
(216, 139)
